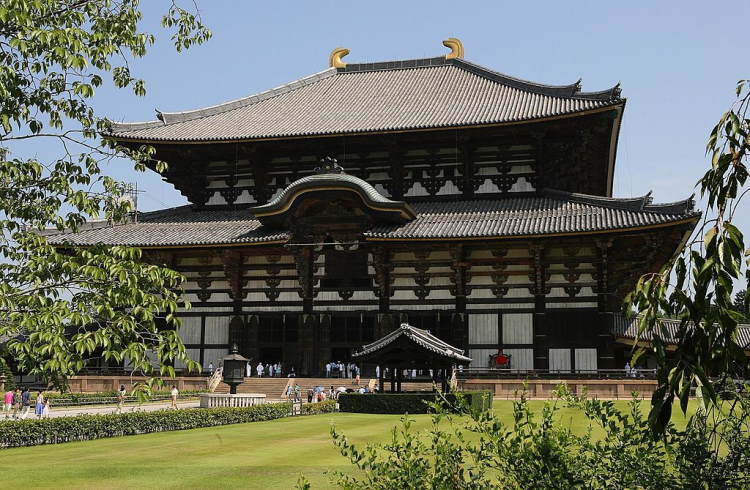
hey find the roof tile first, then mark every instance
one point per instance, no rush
(402, 95)
(552, 212)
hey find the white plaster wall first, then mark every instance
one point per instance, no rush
(559, 360)
(483, 328)
(586, 359)
(190, 330)
(518, 328)
(217, 329)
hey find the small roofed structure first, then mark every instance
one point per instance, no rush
(409, 347)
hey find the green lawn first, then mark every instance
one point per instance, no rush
(257, 455)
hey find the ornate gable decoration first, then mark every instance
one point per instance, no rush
(328, 193)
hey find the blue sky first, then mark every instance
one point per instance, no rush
(677, 62)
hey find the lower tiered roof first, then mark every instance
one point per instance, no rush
(550, 213)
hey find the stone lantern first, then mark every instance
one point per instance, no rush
(234, 369)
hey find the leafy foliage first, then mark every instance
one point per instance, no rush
(35, 432)
(477, 451)
(697, 286)
(61, 307)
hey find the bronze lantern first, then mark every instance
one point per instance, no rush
(234, 369)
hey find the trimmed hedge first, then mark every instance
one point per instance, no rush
(34, 432)
(400, 403)
(327, 406)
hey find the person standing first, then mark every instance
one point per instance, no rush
(174, 394)
(8, 403)
(210, 368)
(120, 399)
(627, 369)
(45, 410)
(248, 369)
(16, 403)
(25, 403)
(39, 406)
(297, 392)
(259, 369)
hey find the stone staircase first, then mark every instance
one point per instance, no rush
(271, 387)
(410, 385)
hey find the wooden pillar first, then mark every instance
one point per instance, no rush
(381, 385)
(393, 379)
(399, 379)
(459, 324)
(381, 262)
(232, 261)
(605, 346)
(539, 288)
(468, 169)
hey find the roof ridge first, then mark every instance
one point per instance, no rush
(572, 90)
(627, 203)
(641, 203)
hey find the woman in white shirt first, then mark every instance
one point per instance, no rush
(174, 397)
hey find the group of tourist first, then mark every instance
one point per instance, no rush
(320, 394)
(338, 369)
(294, 392)
(17, 404)
(269, 370)
(631, 371)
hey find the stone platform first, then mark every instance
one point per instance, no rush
(614, 389)
(103, 383)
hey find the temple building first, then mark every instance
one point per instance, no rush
(436, 192)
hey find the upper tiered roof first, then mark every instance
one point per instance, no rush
(406, 95)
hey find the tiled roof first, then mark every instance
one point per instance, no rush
(553, 212)
(175, 227)
(398, 95)
(627, 328)
(422, 338)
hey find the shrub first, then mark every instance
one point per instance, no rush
(327, 406)
(34, 432)
(538, 450)
(400, 403)
(10, 379)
